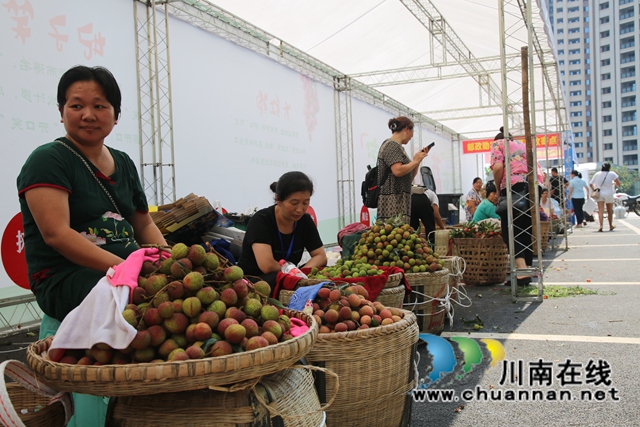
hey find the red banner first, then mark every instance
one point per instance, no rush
(475, 146)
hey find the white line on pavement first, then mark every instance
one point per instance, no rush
(594, 235)
(589, 283)
(615, 245)
(591, 260)
(631, 227)
(537, 337)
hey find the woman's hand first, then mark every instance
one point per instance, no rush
(318, 258)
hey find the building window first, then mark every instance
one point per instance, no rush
(628, 101)
(607, 132)
(608, 159)
(626, 13)
(574, 30)
(630, 145)
(625, 2)
(560, 31)
(604, 20)
(571, 20)
(577, 134)
(575, 93)
(589, 154)
(629, 130)
(606, 90)
(560, 51)
(574, 62)
(574, 51)
(604, 5)
(574, 41)
(558, 10)
(580, 155)
(608, 146)
(629, 116)
(576, 114)
(575, 82)
(576, 124)
(578, 144)
(606, 104)
(605, 76)
(627, 28)
(630, 159)
(604, 34)
(627, 72)
(606, 118)
(628, 87)
(627, 42)
(605, 48)
(575, 103)
(559, 21)
(573, 9)
(561, 62)
(627, 57)
(605, 62)
(560, 41)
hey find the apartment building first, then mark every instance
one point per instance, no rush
(597, 66)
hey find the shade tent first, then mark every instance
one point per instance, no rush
(387, 45)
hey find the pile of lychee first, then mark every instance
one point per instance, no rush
(186, 307)
(346, 308)
(391, 244)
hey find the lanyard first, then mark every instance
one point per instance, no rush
(290, 244)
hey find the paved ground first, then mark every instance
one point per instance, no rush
(599, 327)
(582, 328)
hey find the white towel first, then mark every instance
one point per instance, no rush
(98, 319)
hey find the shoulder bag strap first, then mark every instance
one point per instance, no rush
(92, 174)
(604, 179)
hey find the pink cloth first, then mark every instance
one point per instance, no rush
(126, 274)
(298, 327)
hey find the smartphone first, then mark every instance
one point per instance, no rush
(430, 146)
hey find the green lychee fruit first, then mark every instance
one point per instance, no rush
(196, 255)
(211, 262)
(179, 250)
(181, 268)
(252, 308)
(233, 273)
(191, 307)
(269, 312)
(155, 283)
(207, 295)
(193, 281)
(235, 333)
(263, 288)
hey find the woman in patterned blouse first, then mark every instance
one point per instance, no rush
(473, 198)
(395, 193)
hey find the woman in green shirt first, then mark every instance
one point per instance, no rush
(487, 208)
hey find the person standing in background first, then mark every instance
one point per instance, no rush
(578, 192)
(395, 193)
(473, 198)
(605, 180)
(487, 208)
(558, 184)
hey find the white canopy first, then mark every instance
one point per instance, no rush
(365, 38)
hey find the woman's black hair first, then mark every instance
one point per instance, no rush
(542, 190)
(489, 188)
(289, 183)
(100, 75)
(398, 123)
(575, 173)
(500, 135)
(476, 179)
(606, 167)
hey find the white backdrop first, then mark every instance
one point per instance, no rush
(240, 119)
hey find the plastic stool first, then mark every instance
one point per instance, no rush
(89, 410)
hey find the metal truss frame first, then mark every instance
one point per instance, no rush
(18, 315)
(215, 20)
(155, 118)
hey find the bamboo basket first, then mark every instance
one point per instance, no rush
(391, 297)
(544, 237)
(486, 260)
(289, 394)
(392, 283)
(376, 371)
(167, 377)
(40, 413)
(423, 301)
(442, 242)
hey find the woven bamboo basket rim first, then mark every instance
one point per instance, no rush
(154, 378)
(48, 415)
(424, 279)
(392, 291)
(408, 319)
(393, 280)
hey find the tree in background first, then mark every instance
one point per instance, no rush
(628, 179)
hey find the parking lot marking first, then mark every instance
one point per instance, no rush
(631, 227)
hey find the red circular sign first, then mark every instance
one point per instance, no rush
(13, 257)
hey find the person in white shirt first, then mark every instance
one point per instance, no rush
(605, 180)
